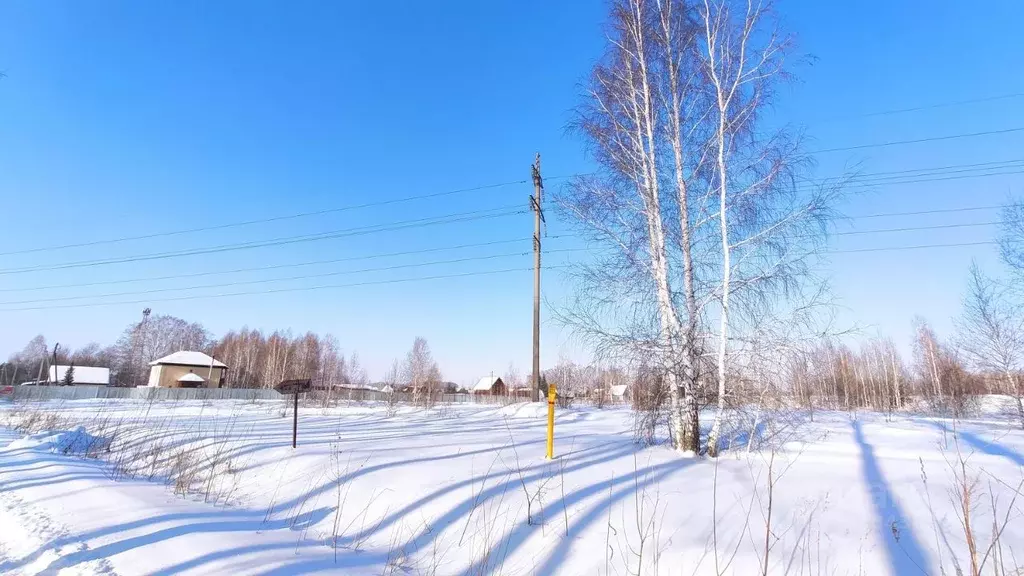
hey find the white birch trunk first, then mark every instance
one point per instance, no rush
(934, 365)
(716, 429)
(895, 377)
(645, 142)
(685, 411)
(723, 101)
(1015, 390)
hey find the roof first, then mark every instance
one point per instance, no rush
(82, 374)
(186, 358)
(486, 383)
(619, 389)
(191, 377)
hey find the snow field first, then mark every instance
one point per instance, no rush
(215, 488)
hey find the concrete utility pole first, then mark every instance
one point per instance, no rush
(39, 376)
(209, 377)
(538, 217)
(142, 345)
(55, 380)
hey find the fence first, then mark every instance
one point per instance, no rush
(42, 393)
(369, 395)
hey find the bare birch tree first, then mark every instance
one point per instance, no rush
(930, 356)
(354, 371)
(696, 209)
(421, 372)
(160, 335)
(770, 228)
(278, 358)
(1011, 240)
(991, 333)
(513, 380)
(641, 102)
(307, 353)
(876, 377)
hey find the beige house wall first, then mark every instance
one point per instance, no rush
(166, 376)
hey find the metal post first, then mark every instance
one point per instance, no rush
(551, 420)
(295, 421)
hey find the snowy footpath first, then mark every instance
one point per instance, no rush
(127, 487)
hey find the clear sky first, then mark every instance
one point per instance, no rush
(134, 118)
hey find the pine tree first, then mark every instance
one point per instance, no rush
(69, 376)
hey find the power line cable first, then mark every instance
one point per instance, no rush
(285, 279)
(279, 218)
(916, 228)
(945, 167)
(430, 250)
(271, 219)
(917, 175)
(856, 179)
(923, 212)
(413, 252)
(938, 178)
(919, 247)
(278, 290)
(866, 180)
(435, 277)
(274, 266)
(485, 244)
(919, 140)
(921, 108)
(303, 277)
(334, 234)
(923, 172)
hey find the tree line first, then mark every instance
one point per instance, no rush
(255, 359)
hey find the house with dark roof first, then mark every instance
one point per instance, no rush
(490, 385)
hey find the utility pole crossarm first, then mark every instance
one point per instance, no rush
(534, 207)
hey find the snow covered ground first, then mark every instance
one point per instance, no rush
(216, 488)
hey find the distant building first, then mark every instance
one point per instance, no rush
(492, 385)
(186, 369)
(620, 392)
(82, 375)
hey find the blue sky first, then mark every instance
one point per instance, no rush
(130, 118)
